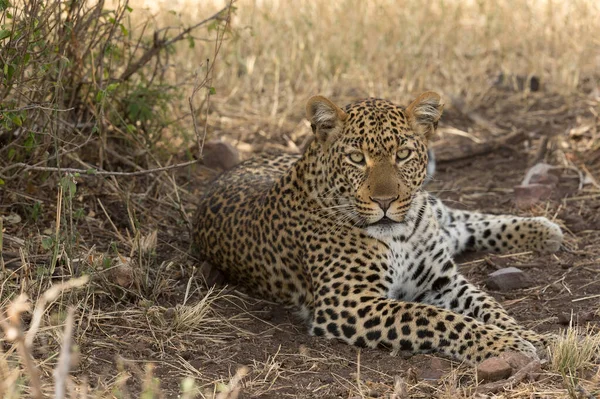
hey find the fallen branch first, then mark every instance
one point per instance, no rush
(96, 172)
(445, 153)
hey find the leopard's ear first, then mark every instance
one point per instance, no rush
(424, 113)
(326, 118)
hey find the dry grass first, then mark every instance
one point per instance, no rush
(279, 55)
(88, 137)
(572, 355)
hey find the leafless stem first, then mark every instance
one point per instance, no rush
(95, 172)
(50, 295)
(200, 141)
(61, 372)
(198, 85)
(14, 332)
(161, 44)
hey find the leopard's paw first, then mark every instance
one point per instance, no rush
(551, 236)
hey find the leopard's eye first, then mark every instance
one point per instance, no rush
(357, 158)
(402, 155)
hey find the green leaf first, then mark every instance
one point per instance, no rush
(124, 30)
(191, 42)
(72, 188)
(1, 182)
(47, 243)
(212, 26)
(69, 185)
(4, 4)
(11, 154)
(4, 34)
(79, 213)
(29, 143)
(17, 120)
(91, 171)
(36, 211)
(112, 87)
(212, 90)
(128, 8)
(8, 70)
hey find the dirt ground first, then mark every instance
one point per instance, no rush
(119, 332)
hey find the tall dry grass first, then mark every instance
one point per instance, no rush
(282, 52)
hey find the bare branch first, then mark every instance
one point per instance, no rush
(96, 172)
(61, 372)
(50, 295)
(14, 332)
(158, 45)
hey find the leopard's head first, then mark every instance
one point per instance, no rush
(373, 155)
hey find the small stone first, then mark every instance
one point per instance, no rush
(567, 319)
(575, 222)
(506, 279)
(435, 370)
(516, 360)
(123, 273)
(220, 155)
(493, 369)
(526, 196)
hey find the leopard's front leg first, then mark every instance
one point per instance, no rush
(370, 321)
(464, 230)
(510, 234)
(460, 296)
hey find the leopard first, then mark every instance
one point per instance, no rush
(345, 233)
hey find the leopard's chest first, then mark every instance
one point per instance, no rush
(413, 267)
(414, 261)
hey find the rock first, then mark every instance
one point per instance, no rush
(568, 319)
(220, 155)
(537, 185)
(506, 279)
(516, 360)
(574, 222)
(526, 196)
(122, 274)
(493, 369)
(435, 369)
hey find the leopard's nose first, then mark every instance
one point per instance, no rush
(384, 202)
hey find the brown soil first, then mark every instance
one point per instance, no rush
(122, 331)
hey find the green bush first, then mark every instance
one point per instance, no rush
(74, 76)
